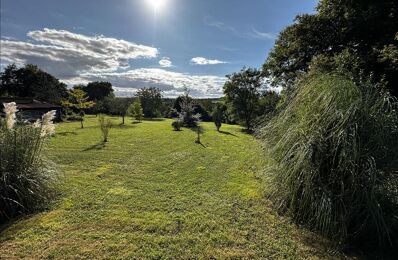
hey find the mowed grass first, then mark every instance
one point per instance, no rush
(151, 192)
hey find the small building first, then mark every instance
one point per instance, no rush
(31, 109)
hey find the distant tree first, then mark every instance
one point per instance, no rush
(119, 106)
(31, 81)
(268, 103)
(365, 28)
(218, 115)
(136, 110)
(98, 90)
(151, 101)
(242, 92)
(78, 99)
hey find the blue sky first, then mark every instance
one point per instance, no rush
(132, 43)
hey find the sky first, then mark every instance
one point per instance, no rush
(169, 44)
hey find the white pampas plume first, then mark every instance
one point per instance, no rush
(47, 125)
(10, 109)
(37, 124)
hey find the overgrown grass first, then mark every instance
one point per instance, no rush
(336, 146)
(151, 192)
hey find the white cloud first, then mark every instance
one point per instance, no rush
(165, 62)
(245, 34)
(204, 61)
(171, 83)
(76, 58)
(66, 54)
(261, 35)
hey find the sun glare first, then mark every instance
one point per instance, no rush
(157, 4)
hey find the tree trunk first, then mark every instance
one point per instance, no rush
(81, 122)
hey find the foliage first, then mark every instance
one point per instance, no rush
(31, 81)
(219, 115)
(187, 114)
(365, 28)
(119, 106)
(336, 145)
(151, 101)
(242, 92)
(78, 99)
(177, 124)
(98, 90)
(136, 111)
(26, 178)
(105, 127)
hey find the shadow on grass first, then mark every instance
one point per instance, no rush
(153, 119)
(98, 146)
(66, 133)
(227, 133)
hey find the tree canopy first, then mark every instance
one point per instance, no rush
(31, 81)
(151, 101)
(242, 92)
(364, 28)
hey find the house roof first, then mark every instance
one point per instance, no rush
(29, 103)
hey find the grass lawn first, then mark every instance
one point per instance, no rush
(151, 192)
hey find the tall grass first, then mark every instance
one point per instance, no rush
(26, 179)
(336, 147)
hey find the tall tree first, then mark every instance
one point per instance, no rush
(78, 99)
(151, 101)
(31, 81)
(364, 28)
(242, 92)
(98, 90)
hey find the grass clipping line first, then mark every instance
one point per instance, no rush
(335, 145)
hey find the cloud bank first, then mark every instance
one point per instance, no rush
(77, 58)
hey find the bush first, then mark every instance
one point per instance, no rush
(336, 145)
(27, 180)
(176, 125)
(105, 126)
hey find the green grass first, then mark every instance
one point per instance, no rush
(151, 192)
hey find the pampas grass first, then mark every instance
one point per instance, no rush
(26, 179)
(335, 145)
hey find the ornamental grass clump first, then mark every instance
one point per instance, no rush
(336, 148)
(105, 126)
(26, 178)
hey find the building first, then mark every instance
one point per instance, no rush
(31, 109)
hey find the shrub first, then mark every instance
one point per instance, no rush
(218, 115)
(136, 111)
(335, 145)
(176, 125)
(26, 179)
(105, 126)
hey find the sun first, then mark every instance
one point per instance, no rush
(157, 4)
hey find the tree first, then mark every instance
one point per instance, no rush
(364, 28)
(136, 110)
(218, 115)
(78, 99)
(31, 81)
(119, 106)
(98, 90)
(242, 92)
(151, 101)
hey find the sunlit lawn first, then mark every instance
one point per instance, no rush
(151, 192)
